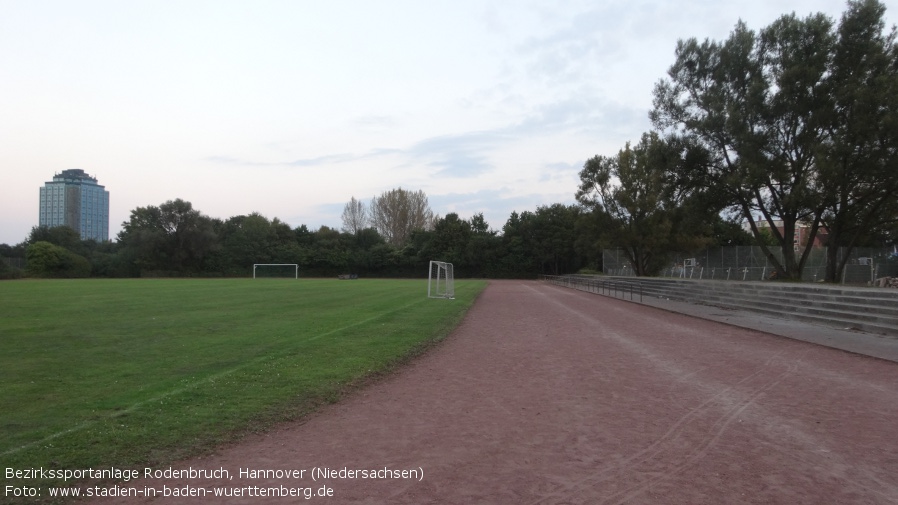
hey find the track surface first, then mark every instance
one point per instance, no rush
(546, 395)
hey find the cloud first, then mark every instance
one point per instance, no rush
(302, 162)
(458, 156)
(375, 121)
(322, 160)
(559, 171)
(578, 47)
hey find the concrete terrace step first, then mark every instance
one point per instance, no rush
(873, 310)
(767, 287)
(873, 307)
(841, 316)
(873, 296)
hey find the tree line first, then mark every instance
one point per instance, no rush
(794, 125)
(175, 239)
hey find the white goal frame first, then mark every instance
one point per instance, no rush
(440, 280)
(294, 265)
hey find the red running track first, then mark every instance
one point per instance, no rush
(545, 395)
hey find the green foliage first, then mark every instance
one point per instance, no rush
(859, 168)
(648, 213)
(172, 239)
(62, 236)
(798, 120)
(48, 260)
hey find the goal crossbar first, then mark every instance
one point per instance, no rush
(294, 265)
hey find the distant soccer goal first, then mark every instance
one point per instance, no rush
(440, 280)
(275, 270)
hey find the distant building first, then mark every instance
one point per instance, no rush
(74, 199)
(802, 232)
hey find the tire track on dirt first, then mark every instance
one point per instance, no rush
(671, 441)
(668, 442)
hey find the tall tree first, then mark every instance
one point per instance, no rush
(173, 237)
(647, 208)
(250, 239)
(398, 212)
(554, 238)
(355, 216)
(518, 243)
(859, 164)
(450, 239)
(758, 103)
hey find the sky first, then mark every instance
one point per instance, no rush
(292, 108)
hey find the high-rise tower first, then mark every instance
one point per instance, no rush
(74, 199)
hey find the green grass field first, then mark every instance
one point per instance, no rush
(140, 372)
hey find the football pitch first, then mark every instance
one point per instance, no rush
(140, 372)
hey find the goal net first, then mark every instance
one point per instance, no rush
(440, 280)
(276, 270)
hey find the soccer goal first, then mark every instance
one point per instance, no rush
(440, 280)
(276, 270)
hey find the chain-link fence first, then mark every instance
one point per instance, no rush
(749, 263)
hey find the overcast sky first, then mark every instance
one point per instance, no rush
(290, 108)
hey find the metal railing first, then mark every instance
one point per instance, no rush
(748, 263)
(605, 287)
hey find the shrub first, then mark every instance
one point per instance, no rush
(47, 260)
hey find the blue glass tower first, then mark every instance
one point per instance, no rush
(74, 199)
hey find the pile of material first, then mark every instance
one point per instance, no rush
(886, 282)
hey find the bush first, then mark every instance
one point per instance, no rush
(47, 260)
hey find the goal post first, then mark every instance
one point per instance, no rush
(440, 280)
(295, 270)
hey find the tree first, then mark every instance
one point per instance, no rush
(539, 242)
(355, 216)
(449, 241)
(483, 249)
(757, 103)
(330, 252)
(49, 260)
(859, 163)
(554, 238)
(518, 241)
(650, 212)
(398, 212)
(250, 239)
(366, 251)
(479, 225)
(63, 236)
(173, 237)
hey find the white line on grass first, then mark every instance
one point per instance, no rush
(206, 379)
